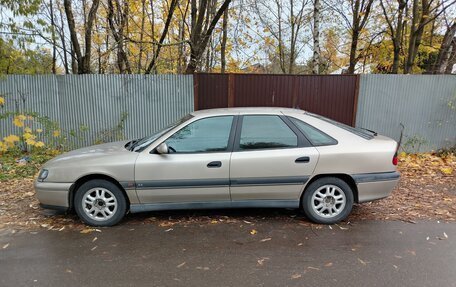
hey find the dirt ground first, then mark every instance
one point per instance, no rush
(426, 191)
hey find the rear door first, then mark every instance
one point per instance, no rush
(271, 159)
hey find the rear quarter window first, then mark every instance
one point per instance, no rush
(314, 135)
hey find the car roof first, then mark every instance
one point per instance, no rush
(246, 110)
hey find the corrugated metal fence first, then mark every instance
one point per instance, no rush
(333, 96)
(424, 104)
(89, 107)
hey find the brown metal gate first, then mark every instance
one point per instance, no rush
(333, 96)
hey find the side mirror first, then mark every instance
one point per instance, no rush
(162, 148)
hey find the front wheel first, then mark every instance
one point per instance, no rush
(327, 200)
(100, 203)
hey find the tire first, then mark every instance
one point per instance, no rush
(100, 202)
(327, 200)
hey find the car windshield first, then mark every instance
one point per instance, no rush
(139, 145)
(364, 133)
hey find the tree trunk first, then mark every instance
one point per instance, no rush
(152, 63)
(180, 56)
(62, 39)
(397, 37)
(54, 46)
(141, 36)
(199, 37)
(316, 38)
(353, 48)
(445, 50)
(224, 40)
(420, 17)
(83, 61)
(118, 33)
(452, 60)
(361, 11)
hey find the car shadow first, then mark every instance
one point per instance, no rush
(208, 215)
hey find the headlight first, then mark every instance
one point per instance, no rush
(43, 174)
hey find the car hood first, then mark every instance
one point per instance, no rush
(110, 150)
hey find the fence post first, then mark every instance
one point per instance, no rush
(355, 99)
(195, 92)
(231, 82)
(294, 103)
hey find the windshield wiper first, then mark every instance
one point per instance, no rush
(131, 144)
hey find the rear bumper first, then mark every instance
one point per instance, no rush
(53, 195)
(375, 186)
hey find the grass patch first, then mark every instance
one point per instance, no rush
(16, 164)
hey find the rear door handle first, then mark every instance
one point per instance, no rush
(213, 164)
(302, 159)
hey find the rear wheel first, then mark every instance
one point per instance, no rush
(100, 203)
(327, 200)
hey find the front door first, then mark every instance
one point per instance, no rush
(270, 161)
(196, 169)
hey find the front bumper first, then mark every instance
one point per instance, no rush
(53, 195)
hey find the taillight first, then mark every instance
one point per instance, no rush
(395, 159)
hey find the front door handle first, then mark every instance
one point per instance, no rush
(303, 159)
(213, 164)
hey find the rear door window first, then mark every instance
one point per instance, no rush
(266, 132)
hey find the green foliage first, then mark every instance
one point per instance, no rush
(12, 167)
(445, 152)
(23, 61)
(452, 103)
(413, 144)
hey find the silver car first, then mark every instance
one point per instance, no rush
(226, 158)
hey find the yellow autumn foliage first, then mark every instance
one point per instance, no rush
(29, 136)
(11, 139)
(18, 122)
(30, 142)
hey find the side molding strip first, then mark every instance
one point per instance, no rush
(195, 183)
(134, 208)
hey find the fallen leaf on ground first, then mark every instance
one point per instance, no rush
(362, 261)
(180, 265)
(253, 232)
(5, 246)
(262, 260)
(446, 170)
(202, 268)
(329, 264)
(266, 239)
(296, 276)
(313, 268)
